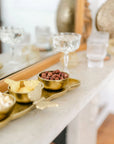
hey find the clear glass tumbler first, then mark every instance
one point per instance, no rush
(66, 42)
(43, 35)
(97, 45)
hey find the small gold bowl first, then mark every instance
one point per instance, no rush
(28, 97)
(6, 111)
(53, 84)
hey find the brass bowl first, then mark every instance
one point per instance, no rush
(53, 84)
(20, 97)
(27, 97)
(5, 112)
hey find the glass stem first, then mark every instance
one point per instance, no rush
(66, 59)
(12, 51)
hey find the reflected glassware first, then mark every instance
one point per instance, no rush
(97, 45)
(11, 36)
(43, 35)
(66, 42)
(24, 45)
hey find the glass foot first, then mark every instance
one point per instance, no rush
(66, 70)
(13, 63)
(95, 63)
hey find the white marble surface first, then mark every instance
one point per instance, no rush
(41, 127)
(23, 61)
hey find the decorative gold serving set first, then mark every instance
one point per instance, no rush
(46, 92)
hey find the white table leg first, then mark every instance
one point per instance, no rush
(82, 130)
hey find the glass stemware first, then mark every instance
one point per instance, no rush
(66, 42)
(11, 36)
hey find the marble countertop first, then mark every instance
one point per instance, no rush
(41, 127)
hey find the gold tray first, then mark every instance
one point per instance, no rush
(21, 109)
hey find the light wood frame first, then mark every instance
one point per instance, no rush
(79, 19)
(36, 68)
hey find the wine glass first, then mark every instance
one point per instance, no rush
(11, 36)
(66, 42)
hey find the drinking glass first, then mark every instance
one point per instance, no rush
(43, 35)
(24, 45)
(11, 36)
(97, 46)
(66, 42)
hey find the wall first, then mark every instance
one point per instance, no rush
(96, 3)
(94, 7)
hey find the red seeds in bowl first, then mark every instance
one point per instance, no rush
(50, 74)
(54, 75)
(43, 75)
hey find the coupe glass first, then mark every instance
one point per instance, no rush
(66, 42)
(11, 36)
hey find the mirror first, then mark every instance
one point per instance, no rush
(38, 20)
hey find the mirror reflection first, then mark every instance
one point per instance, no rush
(25, 32)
